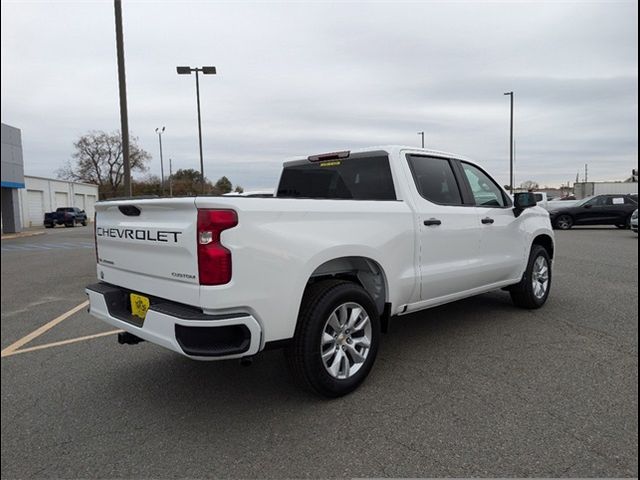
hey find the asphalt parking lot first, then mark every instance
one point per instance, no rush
(476, 388)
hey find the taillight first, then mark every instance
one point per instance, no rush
(214, 261)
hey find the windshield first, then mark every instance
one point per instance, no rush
(584, 201)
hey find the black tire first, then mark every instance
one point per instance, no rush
(48, 226)
(523, 295)
(564, 222)
(304, 353)
(84, 223)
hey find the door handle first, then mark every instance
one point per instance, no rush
(433, 222)
(488, 221)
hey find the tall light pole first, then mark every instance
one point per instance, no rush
(422, 135)
(170, 179)
(204, 71)
(160, 131)
(511, 144)
(122, 84)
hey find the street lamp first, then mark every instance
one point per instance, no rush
(510, 94)
(170, 179)
(204, 71)
(160, 131)
(422, 135)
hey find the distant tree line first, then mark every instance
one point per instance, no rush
(97, 158)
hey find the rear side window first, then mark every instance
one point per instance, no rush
(358, 178)
(539, 197)
(435, 180)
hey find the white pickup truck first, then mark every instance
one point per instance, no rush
(349, 240)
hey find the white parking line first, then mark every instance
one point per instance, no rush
(44, 328)
(62, 342)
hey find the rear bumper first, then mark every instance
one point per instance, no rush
(183, 329)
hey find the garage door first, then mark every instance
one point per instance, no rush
(35, 206)
(62, 200)
(78, 201)
(90, 201)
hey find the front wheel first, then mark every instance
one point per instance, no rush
(533, 291)
(336, 339)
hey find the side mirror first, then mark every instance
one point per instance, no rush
(522, 201)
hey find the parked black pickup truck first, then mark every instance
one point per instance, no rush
(67, 216)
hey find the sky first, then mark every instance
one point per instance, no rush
(301, 78)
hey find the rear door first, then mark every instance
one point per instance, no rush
(502, 246)
(449, 231)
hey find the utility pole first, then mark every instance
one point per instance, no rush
(122, 83)
(586, 172)
(160, 131)
(422, 135)
(170, 180)
(510, 94)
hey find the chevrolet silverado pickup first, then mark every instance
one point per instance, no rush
(349, 240)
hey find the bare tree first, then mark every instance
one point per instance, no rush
(530, 185)
(98, 159)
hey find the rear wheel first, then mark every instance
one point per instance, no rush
(564, 222)
(626, 225)
(84, 223)
(533, 291)
(336, 340)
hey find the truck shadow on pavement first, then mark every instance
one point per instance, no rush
(161, 379)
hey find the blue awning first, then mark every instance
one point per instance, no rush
(11, 185)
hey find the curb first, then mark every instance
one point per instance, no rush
(11, 236)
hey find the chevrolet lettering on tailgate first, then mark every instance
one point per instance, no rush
(138, 234)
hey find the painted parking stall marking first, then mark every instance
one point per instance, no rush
(46, 246)
(17, 346)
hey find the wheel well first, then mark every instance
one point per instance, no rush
(365, 272)
(546, 242)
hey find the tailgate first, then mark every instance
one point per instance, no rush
(149, 246)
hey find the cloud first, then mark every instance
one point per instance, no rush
(301, 78)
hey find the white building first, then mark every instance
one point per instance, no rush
(589, 189)
(41, 195)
